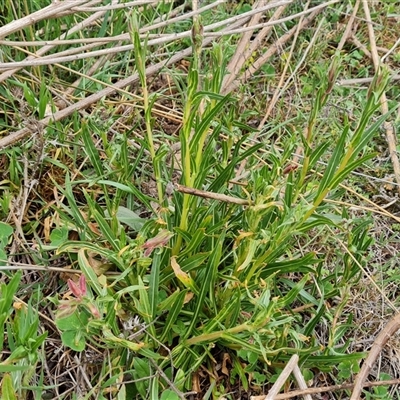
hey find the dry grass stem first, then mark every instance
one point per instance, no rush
(211, 195)
(390, 329)
(301, 381)
(388, 126)
(326, 389)
(281, 379)
(278, 44)
(361, 81)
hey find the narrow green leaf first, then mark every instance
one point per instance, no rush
(7, 293)
(12, 368)
(107, 231)
(291, 296)
(340, 176)
(207, 119)
(333, 163)
(206, 285)
(318, 152)
(91, 276)
(154, 283)
(129, 188)
(73, 209)
(145, 308)
(368, 134)
(193, 243)
(174, 311)
(226, 174)
(187, 264)
(90, 149)
(317, 220)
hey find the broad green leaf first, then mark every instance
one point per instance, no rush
(130, 218)
(3, 257)
(59, 236)
(168, 394)
(5, 233)
(74, 340)
(76, 321)
(140, 372)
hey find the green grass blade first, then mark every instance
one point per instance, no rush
(206, 285)
(174, 311)
(91, 151)
(334, 162)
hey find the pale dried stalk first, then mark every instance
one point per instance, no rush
(301, 381)
(212, 195)
(77, 53)
(51, 11)
(388, 126)
(82, 104)
(290, 18)
(33, 59)
(389, 330)
(241, 54)
(59, 115)
(270, 52)
(47, 48)
(80, 53)
(278, 91)
(347, 33)
(282, 378)
(389, 52)
(324, 389)
(114, 6)
(360, 81)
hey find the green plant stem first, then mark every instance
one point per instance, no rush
(209, 337)
(140, 60)
(189, 175)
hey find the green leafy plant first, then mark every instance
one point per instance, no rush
(5, 233)
(199, 241)
(21, 337)
(213, 276)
